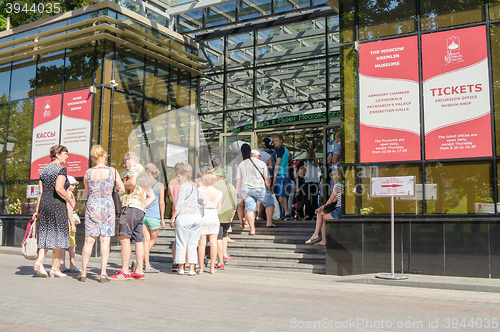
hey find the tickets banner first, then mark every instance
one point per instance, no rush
(75, 130)
(456, 92)
(46, 125)
(389, 101)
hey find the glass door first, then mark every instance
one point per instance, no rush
(230, 145)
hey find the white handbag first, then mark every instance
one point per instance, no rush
(29, 247)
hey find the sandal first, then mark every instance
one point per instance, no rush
(175, 267)
(313, 241)
(212, 271)
(72, 270)
(82, 278)
(64, 270)
(200, 271)
(320, 244)
(229, 240)
(104, 278)
(272, 226)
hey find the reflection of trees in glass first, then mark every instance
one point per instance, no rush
(20, 122)
(495, 70)
(379, 18)
(349, 93)
(347, 21)
(459, 187)
(437, 14)
(49, 77)
(30, 16)
(80, 66)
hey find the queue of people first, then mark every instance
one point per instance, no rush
(199, 212)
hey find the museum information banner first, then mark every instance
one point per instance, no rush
(75, 131)
(389, 101)
(46, 125)
(456, 94)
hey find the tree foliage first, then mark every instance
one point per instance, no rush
(25, 17)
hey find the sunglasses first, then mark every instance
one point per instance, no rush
(125, 160)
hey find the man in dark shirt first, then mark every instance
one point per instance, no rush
(281, 173)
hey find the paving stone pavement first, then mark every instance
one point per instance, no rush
(231, 300)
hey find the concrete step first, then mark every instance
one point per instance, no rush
(276, 247)
(278, 256)
(278, 238)
(276, 265)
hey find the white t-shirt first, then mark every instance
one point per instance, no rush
(251, 178)
(264, 156)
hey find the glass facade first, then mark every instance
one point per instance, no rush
(465, 186)
(266, 79)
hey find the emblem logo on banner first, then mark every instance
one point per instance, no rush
(453, 54)
(46, 112)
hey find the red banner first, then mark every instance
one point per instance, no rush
(46, 125)
(389, 101)
(75, 132)
(456, 94)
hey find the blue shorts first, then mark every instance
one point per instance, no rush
(336, 213)
(280, 184)
(252, 196)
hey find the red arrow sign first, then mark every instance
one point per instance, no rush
(392, 185)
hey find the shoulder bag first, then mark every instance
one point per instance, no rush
(277, 208)
(29, 247)
(116, 198)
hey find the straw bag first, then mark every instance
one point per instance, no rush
(29, 247)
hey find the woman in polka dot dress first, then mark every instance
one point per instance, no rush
(53, 212)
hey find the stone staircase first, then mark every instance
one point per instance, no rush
(280, 248)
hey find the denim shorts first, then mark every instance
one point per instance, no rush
(336, 213)
(280, 185)
(252, 196)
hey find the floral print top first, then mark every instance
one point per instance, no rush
(137, 196)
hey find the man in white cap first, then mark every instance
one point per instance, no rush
(254, 182)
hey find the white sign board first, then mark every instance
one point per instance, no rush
(176, 154)
(32, 191)
(430, 193)
(488, 208)
(81, 195)
(393, 186)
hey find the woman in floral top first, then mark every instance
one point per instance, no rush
(100, 212)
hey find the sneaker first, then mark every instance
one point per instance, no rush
(120, 276)
(181, 272)
(287, 217)
(226, 258)
(219, 266)
(151, 270)
(191, 273)
(259, 218)
(137, 276)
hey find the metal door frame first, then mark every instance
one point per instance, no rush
(325, 154)
(253, 138)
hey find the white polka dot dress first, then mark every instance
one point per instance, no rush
(53, 231)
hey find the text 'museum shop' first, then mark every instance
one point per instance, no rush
(412, 87)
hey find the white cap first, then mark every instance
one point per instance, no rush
(72, 180)
(255, 152)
